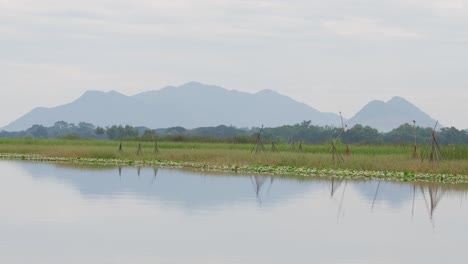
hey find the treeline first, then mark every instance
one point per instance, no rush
(84, 130)
(304, 131)
(60, 129)
(358, 134)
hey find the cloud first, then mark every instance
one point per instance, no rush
(364, 27)
(440, 4)
(450, 4)
(207, 19)
(66, 46)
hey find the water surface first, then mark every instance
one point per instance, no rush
(59, 214)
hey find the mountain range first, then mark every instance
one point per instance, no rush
(198, 105)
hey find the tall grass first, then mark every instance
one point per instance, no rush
(363, 157)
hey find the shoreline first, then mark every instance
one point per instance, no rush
(250, 169)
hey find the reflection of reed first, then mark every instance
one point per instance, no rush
(153, 179)
(435, 194)
(272, 179)
(340, 207)
(375, 195)
(432, 194)
(335, 184)
(155, 170)
(412, 206)
(257, 183)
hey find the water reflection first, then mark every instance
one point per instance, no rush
(160, 215)
(334, 185)
(258, 183)
(432, 195)
(215, 188)
(198, 190)
(155, 174)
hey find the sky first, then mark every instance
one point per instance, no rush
(334, 55)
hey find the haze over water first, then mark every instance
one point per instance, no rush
(59, 214)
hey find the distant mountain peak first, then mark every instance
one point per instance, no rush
(267, 91)
(99, 93)
(92, 96)
(386, 116)
(376, 102)
(198, 85)
(193, 84)
(398, 100)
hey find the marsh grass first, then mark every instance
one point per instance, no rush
(363, 158)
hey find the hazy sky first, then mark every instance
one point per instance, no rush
(333, 55)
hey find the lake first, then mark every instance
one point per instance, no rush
(54, 213)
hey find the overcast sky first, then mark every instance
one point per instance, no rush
(333, 55)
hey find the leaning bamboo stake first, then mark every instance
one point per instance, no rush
(273, 147)
(415, 147)
(347, 152)
(292, 143)
(259, 143)
(343, 127)
(156, 148)
(435, 153)
(336, 155)
(139, 151)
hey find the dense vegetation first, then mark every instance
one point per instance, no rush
(369, 161)
(287, 134)
(301, 149)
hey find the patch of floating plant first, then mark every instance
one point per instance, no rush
(253, 169)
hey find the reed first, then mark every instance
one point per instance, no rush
(397, 158)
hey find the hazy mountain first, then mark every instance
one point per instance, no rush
(190, 105)
(386, 116)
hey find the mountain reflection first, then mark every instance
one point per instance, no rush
(200, 190)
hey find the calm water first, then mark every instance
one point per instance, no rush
(57, 214)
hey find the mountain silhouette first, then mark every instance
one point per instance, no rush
(190, 105)
(386, 116)
(195, 105)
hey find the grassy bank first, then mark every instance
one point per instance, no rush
(376, 161)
